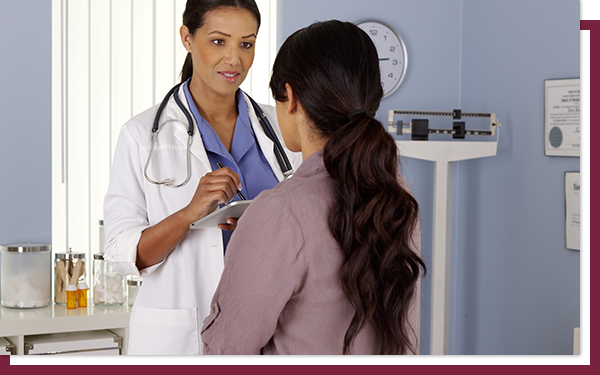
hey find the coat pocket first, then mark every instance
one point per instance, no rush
(163, 332)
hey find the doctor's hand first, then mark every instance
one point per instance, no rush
(231, 224)
(214, 188)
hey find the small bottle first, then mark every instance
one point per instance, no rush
(71, 296)
(82, 294)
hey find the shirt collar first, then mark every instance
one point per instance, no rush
(243, 138)
(313, 164)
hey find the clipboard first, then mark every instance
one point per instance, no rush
(220, 216)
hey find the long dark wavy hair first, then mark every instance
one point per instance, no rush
(333, 69)
(194, 18)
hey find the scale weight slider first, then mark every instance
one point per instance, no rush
(460, 130)
(420, 130)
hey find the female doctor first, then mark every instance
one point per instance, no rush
(149, 205)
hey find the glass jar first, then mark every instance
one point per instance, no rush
(69, 269)
(26, 275)
(133, 288)
(109, 285)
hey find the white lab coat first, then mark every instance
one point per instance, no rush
(176, 294)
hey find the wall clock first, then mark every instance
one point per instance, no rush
(392, 54)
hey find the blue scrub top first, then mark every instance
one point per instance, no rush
(246, 158)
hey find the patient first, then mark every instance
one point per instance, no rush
(328, 261)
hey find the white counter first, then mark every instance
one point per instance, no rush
(17, 324)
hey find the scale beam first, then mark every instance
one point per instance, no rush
(420, 130)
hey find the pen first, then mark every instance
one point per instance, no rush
(239, 193)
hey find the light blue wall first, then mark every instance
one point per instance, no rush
(25, 122)
(518, 287)
(515, 288)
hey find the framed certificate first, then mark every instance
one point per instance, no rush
(563, 117)
(573, 209)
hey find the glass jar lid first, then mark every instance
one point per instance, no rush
(99, 256)
(134, 282)
(25, 248)
(69, 256)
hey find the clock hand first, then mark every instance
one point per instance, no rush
(386, 59)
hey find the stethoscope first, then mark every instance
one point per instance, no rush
(282, 159)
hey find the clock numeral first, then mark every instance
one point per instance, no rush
(392, 58)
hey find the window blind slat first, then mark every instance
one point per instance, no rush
(99, 115)
(142, 56)
(164, 48)
(78, 169)
(120, 95)
(59, 225)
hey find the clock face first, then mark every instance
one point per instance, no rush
(392, 54)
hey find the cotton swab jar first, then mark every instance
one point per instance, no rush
(109, 285)
(26, 275)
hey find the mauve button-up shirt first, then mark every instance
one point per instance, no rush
(280, 292)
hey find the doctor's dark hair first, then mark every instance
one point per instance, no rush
(333, 69)
(194, 18)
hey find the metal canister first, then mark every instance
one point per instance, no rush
(26, 275)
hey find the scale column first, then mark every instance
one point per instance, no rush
(443, 154)
(441, 258)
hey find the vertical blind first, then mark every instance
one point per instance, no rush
(112, 59)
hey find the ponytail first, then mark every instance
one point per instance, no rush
(373, 219)
(333, 68)
(188, 68)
